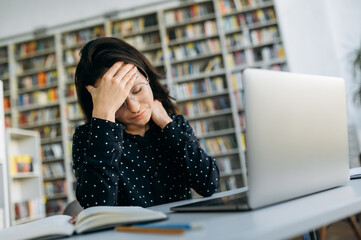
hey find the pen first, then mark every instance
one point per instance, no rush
(150, 230)
(192, 225)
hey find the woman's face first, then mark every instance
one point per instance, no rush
(136, 111)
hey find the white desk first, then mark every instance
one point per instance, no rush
(279, 221)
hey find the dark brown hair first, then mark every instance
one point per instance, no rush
(98, 55)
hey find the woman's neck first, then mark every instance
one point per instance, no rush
(136, 130)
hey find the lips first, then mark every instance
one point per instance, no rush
(139, 116)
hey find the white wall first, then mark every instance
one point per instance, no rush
(21, 16)
(345, 19)
(307, 36)
(320, 37)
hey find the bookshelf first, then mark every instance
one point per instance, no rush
(251, 36)
(25, 178)
(144, 33)
(70, 43)
(4, 196)
(39, 108)
(5, 77)
(201, 47)
(199, 81)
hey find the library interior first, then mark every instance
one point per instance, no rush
(200, 48)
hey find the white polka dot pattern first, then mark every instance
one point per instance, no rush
(113, 167)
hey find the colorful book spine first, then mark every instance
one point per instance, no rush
(82, 36)
(193, 68)
(51, 151)
(205, 126)
(190, 13)
(28, 208)
(218, 145)
(205, 86)
(40, 116)
(204, 106)
(33, 47)
(135, 25)
(21, 164)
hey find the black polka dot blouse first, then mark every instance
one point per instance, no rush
(113, 167)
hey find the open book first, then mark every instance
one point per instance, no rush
(88, 220)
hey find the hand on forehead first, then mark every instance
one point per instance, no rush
(121, 70)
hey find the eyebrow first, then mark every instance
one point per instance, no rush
(139, 81)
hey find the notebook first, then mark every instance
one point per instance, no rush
(296, 139)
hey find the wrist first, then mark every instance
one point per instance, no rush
(164, 123)
(106, 115)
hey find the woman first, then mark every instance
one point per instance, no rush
(134, 149)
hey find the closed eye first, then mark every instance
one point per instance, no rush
(138, 90)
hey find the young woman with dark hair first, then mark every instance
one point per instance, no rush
(134, 148)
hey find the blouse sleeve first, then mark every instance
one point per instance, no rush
(97, 149)
(202, 170)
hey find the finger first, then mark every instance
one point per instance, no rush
(128, 81)
(113, 70)
(129, 68)
(129, 84)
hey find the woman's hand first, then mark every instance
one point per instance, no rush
(111, 90)
(160, 115)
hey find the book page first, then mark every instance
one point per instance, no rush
(105, 210)
(101, 217)
(50, 226)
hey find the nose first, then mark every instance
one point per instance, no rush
(133, 106)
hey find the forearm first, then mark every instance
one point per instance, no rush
(200, 169)
(97, 183)
(96, 156)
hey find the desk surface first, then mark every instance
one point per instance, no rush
(284, 220)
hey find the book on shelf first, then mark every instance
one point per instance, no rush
(21, 164)
(55, 206)
(243, 141)
(31, 208)
(51, 151)
(6, 103)
(225, 165)
(88, 220)
(53, 170)
(55, 187)
(228, 183)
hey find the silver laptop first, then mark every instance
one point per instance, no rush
(296, 138)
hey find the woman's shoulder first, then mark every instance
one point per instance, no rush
(178, 118)
(82, 129)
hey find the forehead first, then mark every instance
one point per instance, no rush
(139, 82)
(142, 78)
